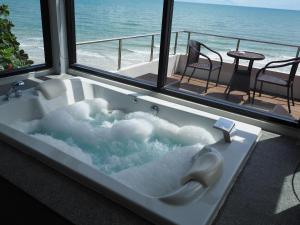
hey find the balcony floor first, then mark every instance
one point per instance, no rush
(267, 103)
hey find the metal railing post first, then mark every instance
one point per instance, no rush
(176, 40)
(188, 40)
(238, 44)
(152, 48)
(120, 54)
(237, 48)
(298, 52)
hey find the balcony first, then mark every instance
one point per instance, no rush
(272, 101)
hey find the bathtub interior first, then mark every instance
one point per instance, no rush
(159, 178)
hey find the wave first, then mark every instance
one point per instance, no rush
(128, 50)
(85, 53)
(35, 38)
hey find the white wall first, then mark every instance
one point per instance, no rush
(149, 67)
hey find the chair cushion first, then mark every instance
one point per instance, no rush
(205, 66)
(272, 79)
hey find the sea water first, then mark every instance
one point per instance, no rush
(104, 19)
(126, 146)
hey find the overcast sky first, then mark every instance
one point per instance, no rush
(280, 4)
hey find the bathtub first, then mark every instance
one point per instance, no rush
(190, 203)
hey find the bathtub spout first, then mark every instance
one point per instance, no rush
(226, 126)
(14, 89)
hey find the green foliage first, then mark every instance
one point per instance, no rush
(11, 56)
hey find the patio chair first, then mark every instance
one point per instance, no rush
(193, 61)
(264, 77)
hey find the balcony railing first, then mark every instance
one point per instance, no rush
(177, 33)
(120, 41)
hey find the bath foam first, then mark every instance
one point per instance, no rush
(115, 141)
(85, 109)
(134, 129)
(186, 135)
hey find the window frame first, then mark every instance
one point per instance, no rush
(46, 31)
(161, 86)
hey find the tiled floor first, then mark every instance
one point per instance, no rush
(17, 207)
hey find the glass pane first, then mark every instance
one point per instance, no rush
(21, 34)
(225, 28)
(125, 35)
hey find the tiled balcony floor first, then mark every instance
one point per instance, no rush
(267, 103)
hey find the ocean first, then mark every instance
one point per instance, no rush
(103, 19)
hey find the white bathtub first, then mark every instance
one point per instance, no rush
(197, 207)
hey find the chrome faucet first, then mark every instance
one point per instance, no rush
(226, 126)
(14, 90)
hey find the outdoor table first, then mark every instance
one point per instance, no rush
(240, 80)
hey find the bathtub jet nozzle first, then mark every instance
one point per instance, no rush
(134, 98)
(155, 109)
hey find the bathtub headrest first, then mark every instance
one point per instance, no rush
(206, 168)
(52, 88)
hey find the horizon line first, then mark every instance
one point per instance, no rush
(246, 6)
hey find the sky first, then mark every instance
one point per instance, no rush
(278, 4)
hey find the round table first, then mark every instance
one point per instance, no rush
(240, 79)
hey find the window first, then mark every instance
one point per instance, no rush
(224, 28)
(129, 41)
(119, 36)
(25, 36)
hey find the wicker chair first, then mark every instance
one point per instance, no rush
(193, 61)
(263, 77)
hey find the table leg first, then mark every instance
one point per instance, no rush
(250, 66)
(227, 90)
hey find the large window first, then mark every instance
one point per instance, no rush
(225, 28)
(130, 41)
(25, 36)
(118, 36)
